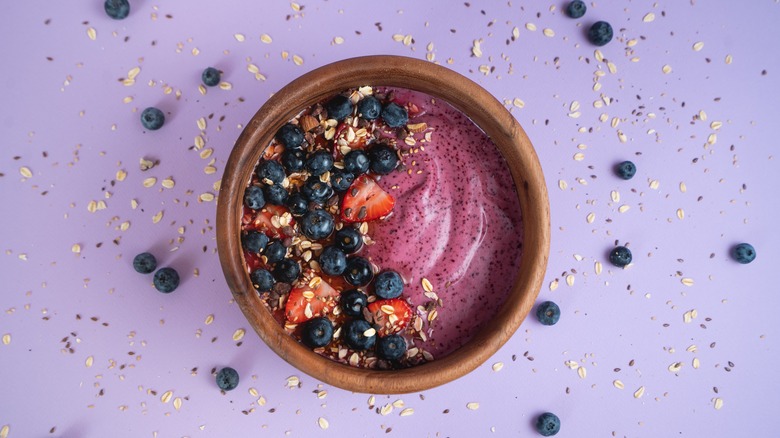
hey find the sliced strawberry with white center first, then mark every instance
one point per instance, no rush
(391, 316)
(307, 302)
(365, 201)
(271, 219)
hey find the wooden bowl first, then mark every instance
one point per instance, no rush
(466, 96)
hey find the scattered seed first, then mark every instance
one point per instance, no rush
(472, 406)
(89, 361)
(718, 403)
(639, 392)
(666, 69)
(76, 248)
(582, 372)
(618, 384)
(168, 183)
(687, 281)
(323, 423)
(698, 46)
(498, 366)
(7, 339)
(238, 334)
(675, 367)
(427, 286)
(570, 280)
(92, 33)
(150, 182)
(406, 412)
(25, 171)
(177, 403)
(166, 397)
(648, 17)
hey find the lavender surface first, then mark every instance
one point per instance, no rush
(89, 348)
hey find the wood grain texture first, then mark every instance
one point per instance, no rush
(465, 95)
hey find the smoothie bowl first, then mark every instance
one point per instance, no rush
(383, 224)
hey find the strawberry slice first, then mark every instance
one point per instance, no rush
(365, 201)
(267, 220)
(306, 302)
(391, 316)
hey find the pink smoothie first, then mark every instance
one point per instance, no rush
(456, 223)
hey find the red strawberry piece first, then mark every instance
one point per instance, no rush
(391, 316)
(267, 220)
(365, 201)
(253, 260)
(306, 302)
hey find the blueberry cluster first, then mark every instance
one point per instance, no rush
(166, 280)
(600, 33)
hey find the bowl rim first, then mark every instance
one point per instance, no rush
(466, 96)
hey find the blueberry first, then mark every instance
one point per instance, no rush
(352, 302)
(620, 256)
(316, 191)
(600, 33)
(548, 313)
(275, 251)
(253, 197)
(117, 9)
(388, 284)
(548, 424)
(369, 108)
(270, 170)
(317, 224)
(254, 241)
(341, 180)
(333, 261)
(144, 263)
(348, 240)
(290, 136)
(356, 162)
(275, 194)
(227, 379)
(625, 170)
(391, 347)
(211, 77)
(338, 107)
(744, 253)
(152, 118)
(297, 204)
(317, 332)
(358, 272)
(383, 159)
(262, 280)
(354, 335)
(395, 115)
(166, 280)
(319, 162)
(287, 271)
(293, 160)
(576, 9)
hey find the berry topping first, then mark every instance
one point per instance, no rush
(348, 240)
(744, 253)
(297, 204)
(274, 251)
(359, 335)
(333, 261)
(356, 162)
(317, 224)
(117, 9)
(152, 118)
(600, 33)
(341, 180)
(270, 171)
(383, 159)
(339, 107)
(548, 313)
(576, 9)
(267, 220)
(166, 280)
(390, 316)
(625, 170)
(388, 284)
(395, 115)
(365, 201)
(319, 162)
(391, 347)
(358, 272)
(287, 271)
(352, 302)
(227, 379)
(254, 241)
(293, 160)
(290, 136)
(317, 332)
(275, 194)
(620, 256)
(262, 280)
(316, 191)
(548, 424)
(144, 263)
(253, 197)
(369, 108)
(211, 77)
(304, 303)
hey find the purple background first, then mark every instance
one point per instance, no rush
(64, 118)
